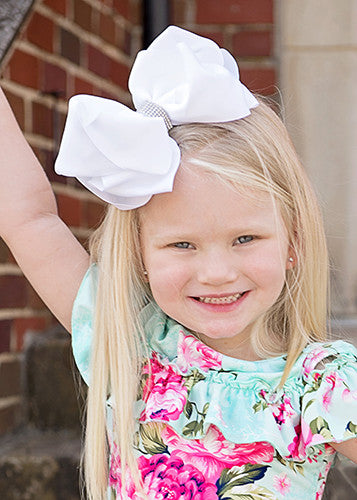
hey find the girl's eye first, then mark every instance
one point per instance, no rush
(244, 239)
(182, 244)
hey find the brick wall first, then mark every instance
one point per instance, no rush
(67, 47)
(244, 27)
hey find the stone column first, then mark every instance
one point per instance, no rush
(317, 48)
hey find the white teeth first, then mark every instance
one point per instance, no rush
(220, 300)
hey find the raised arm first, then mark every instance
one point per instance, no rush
(49, 255)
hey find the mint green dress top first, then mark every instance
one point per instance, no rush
(214, 427)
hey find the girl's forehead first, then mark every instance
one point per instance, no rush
(199, 196)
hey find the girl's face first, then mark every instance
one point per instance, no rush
(216, 259)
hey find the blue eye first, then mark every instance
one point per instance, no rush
(182, 244)
(244, 239)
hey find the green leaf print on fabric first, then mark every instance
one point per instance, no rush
(151, 439)
(196, 426)
(251, 492)
(239, 476)
(193, 379)
(351, 430)
(320, 426)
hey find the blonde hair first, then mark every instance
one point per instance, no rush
(255, 152)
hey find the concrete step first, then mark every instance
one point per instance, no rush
(37, 465)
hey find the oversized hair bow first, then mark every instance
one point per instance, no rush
(125, 156)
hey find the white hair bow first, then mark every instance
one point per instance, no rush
(125, 157)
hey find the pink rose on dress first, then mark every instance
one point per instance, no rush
(313, 359)
(166, 477)
(164, 392)
(213, 453)
(193, 353)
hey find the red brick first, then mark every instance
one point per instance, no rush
(136, 11)
(42, 120)
(82, 86)
(69, 210)
(12, 291)
(53, 79)
(40, 32)
(10, 418)
(24, 69)
(178, 12)
(83, 14)
(107, 29)
(234, 11)
(70, 46)
(260, 80)
(17, 106)
(23, 325)
(10, 377)
(98, 62)
(59, 6)
(123, 39)
(119, 74)
(253, 43)
(122, 7)
(5, 334)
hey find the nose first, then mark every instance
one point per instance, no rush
(217, 268)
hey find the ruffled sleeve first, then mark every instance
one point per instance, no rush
(329, 401)
(82, 321)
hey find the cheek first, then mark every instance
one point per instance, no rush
(167, 278)
(268, 268)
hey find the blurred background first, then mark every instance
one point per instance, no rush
(301, 53)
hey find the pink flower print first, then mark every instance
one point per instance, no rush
(282, 483)
(297, 447)
(313, 359)
(213, 453)
(349, 396)
(283, 411)
(115, 468)
(326, 399)
(193, 353)
(333, 380)
(308, 438)
(165, 477)
(164, 393)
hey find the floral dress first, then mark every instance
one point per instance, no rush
(212, 427)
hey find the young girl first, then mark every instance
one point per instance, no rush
(200, 323)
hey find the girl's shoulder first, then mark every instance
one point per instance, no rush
(324, 357)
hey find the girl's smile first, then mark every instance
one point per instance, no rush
(216, 258)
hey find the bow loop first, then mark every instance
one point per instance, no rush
(118, 154)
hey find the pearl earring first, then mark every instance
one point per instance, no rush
(145, 273)
(291, 259)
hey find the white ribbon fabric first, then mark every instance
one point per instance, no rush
(125, 157)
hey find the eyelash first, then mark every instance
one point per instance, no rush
(180, 244)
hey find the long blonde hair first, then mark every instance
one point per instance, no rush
(254, 152)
